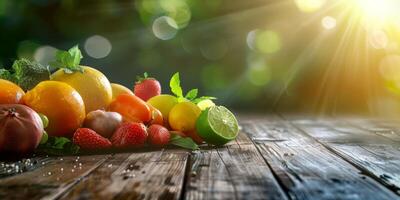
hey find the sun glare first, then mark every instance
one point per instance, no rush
(379, 12)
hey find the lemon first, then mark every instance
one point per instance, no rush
(183, 116)
(92, 85)
(164, 103)
(118, 89)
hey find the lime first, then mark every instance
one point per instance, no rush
(217, 125)
(204, 104)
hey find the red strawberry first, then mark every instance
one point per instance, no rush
(88, 139)
(147, 87)
(130, 134)
(158, 135)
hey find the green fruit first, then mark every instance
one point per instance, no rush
(217, 125)
(45, 137)
(163, 103)
(183, 116)
(205, 104)
(44, 119)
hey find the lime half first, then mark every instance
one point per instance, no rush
(217, 125)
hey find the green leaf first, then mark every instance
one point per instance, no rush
(192, 94)
(58, 146)
(145, 75)
(184, 142)
(7, 75)
(197, 100)
(68, 60)
(175, 85)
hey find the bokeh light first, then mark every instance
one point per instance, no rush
(264, 41)
(378, 39)
(165, 28)
(328, 22)
(309, 5)
(97, 46)
(45, 54)
(268, 41)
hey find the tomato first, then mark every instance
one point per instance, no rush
(132, 108)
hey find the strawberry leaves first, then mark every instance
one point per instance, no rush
(58, 146)
(176, 89)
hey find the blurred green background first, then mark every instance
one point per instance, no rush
(309, 56)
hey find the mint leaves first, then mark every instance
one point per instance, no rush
(68, 60)
(175, 85)
(184, 142)
(58, 146)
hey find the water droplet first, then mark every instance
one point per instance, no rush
(72, 170)
(49, 173)
(62, 169)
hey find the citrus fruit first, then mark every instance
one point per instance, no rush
(183, 116)
(118, 89)
(10, 93)
(62, 105)
(92, 85)
(217, 125)
(204, 104)
(164, 104)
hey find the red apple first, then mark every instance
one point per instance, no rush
(20, 130)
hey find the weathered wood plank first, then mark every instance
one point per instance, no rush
(306, 169)
(375, 155)
(147, 175)
(9, 168)
(50, 180)
(386, 128)
(235, 171)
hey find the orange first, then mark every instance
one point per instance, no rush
(62, 105)
(10, 93)
(92, 85)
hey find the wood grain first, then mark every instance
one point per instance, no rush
(148, 175)
(306, 169)
(236, 171)
(375, 155)
(50, 180)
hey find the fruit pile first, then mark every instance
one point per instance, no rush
(76, 107)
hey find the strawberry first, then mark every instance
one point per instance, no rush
(88, 139)
(130, 134)
(147, 87)
(158, 135)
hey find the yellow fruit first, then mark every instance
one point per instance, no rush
(183, 116)
(164, 103)
(62, 105)
(92, 85)
(118, 89)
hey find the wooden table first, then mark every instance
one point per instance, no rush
(274, 157)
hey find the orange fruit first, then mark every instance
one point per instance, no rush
(62, 105)
(92, 85)
(10, 93)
